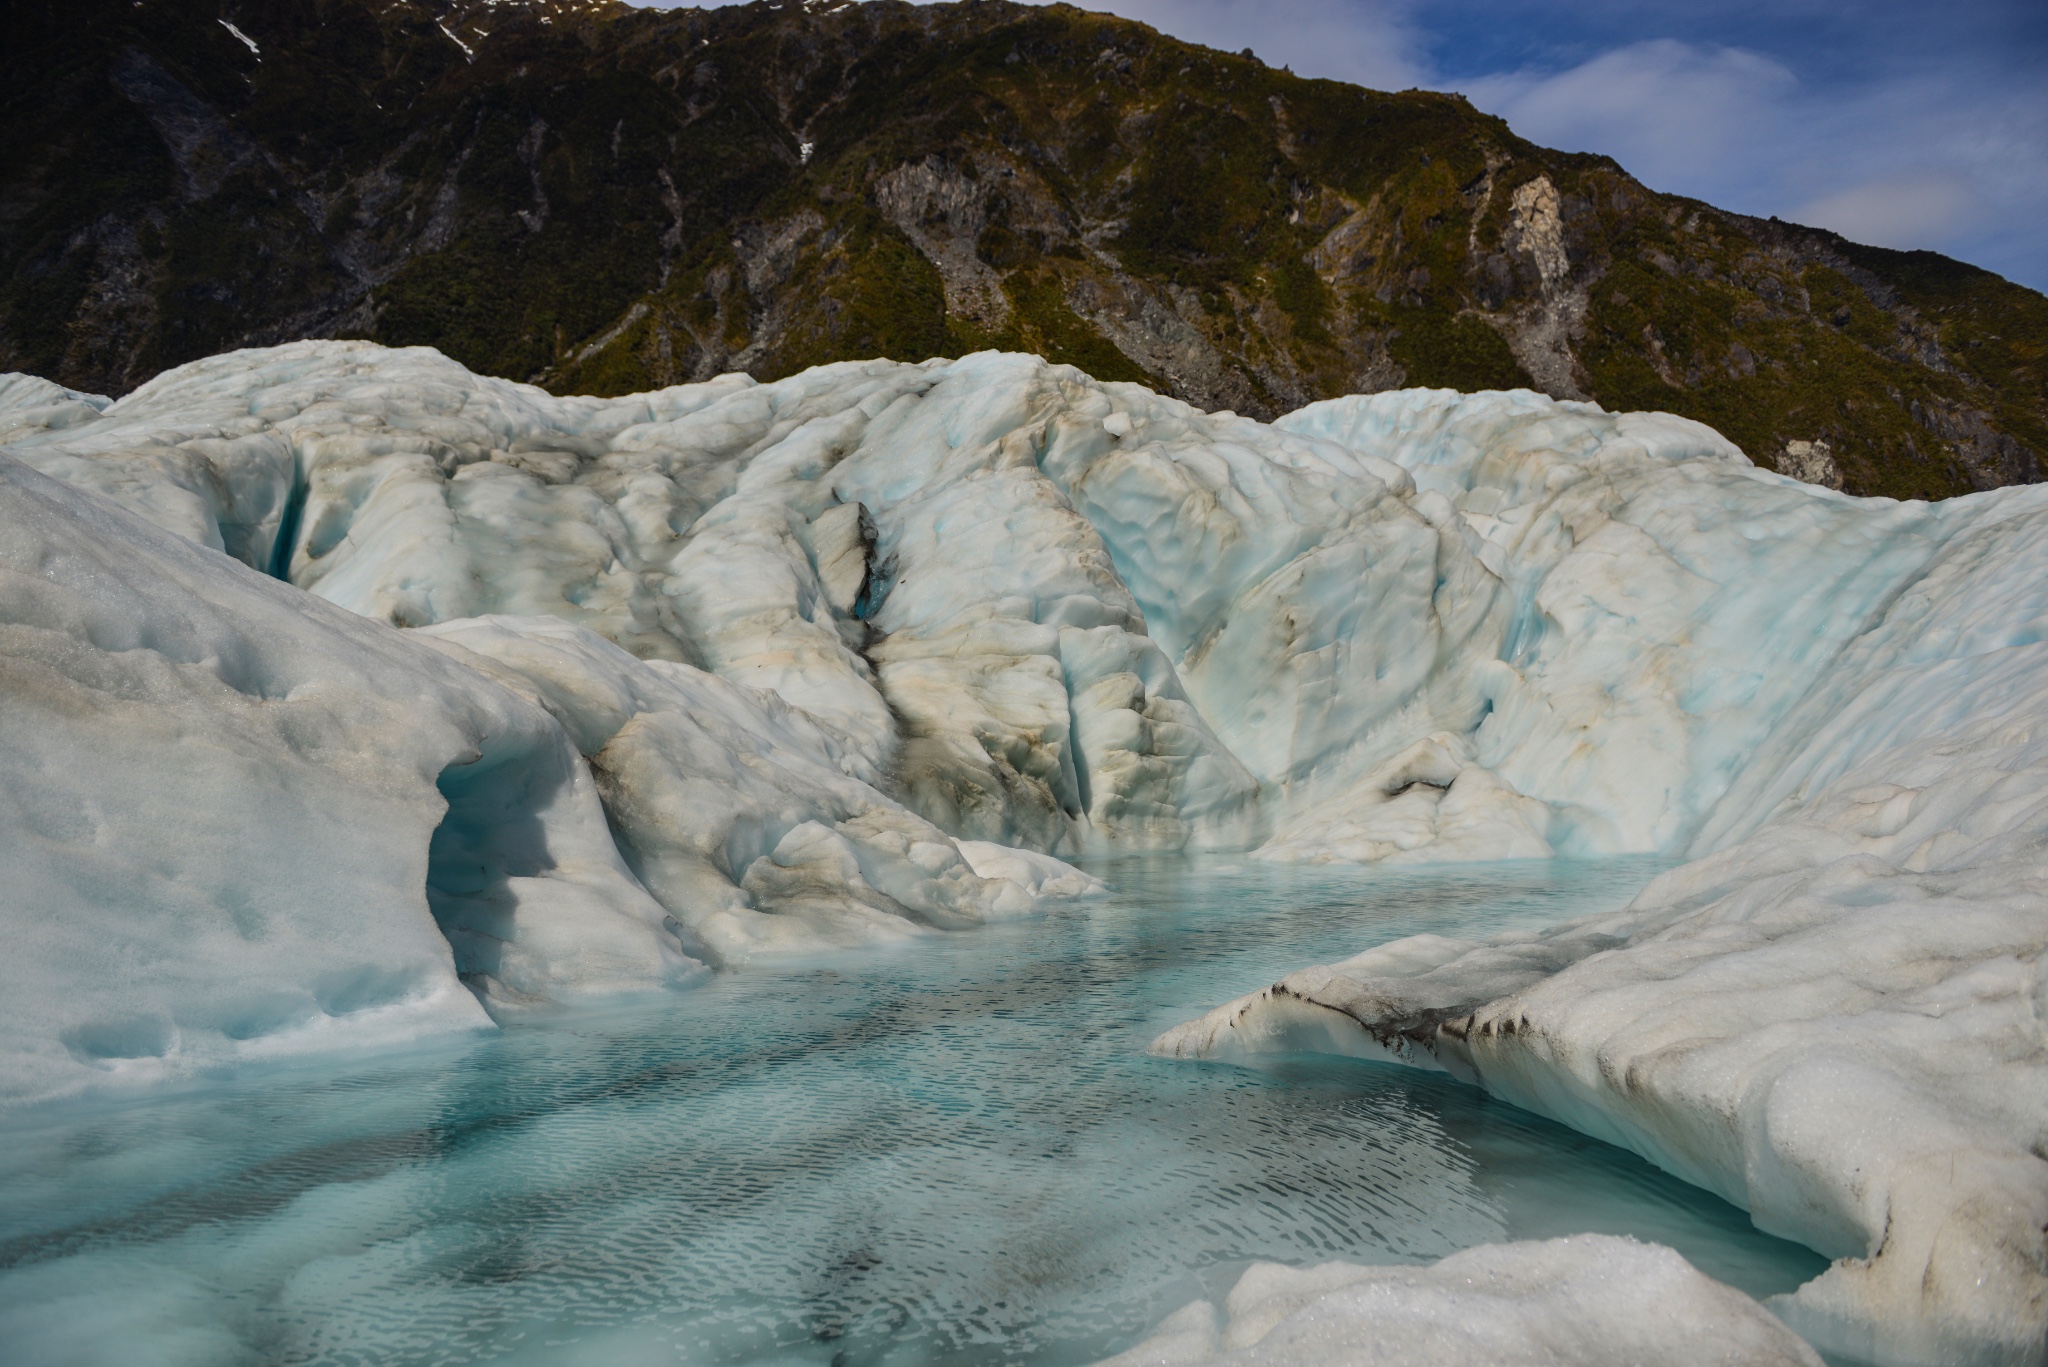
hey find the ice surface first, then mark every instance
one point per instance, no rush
(240, 821)
(1580, 1302)
(1055, 613)
(221, 808)
(740, 813)
(1044, 612)
(1836, 1019)
(30, 406)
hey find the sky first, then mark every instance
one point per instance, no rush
(1895, 123)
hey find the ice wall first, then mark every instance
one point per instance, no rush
(1056, 613)
(219, 798)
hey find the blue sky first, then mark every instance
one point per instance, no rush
(1901, 124)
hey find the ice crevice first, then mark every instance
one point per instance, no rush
(737, 669)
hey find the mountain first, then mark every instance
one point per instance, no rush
(605, 199)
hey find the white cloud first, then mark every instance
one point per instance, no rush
(1902, 211)
(1945, 156)
(1675, 114)
(1367, 42)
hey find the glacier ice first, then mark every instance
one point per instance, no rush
(1057, 613)
(241, 822)
(1834, 1018)
(1061, 614)
(922, 625)
(220, 800)
(739, 812)
(1585, 1301)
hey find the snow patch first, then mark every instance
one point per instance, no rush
(245, 39)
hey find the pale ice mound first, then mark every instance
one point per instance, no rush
(240, 821)
(221, 803)
(1588, 1301)
(739, 812)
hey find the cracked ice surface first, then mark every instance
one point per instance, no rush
(1835, 1017)
(1062, 614)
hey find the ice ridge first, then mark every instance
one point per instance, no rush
(1064, 615)
(1588, 1301)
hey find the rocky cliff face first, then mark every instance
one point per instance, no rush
(605, 199)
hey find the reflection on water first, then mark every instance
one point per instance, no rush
(955, 1152)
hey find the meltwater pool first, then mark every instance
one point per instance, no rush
(953, 1152)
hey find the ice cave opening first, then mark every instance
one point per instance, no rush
(491, 840)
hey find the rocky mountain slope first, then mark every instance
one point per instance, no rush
(605, 199)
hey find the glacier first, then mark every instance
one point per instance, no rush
(860, 654)
(243, 823)
(1065, 615)
(1834, 1016)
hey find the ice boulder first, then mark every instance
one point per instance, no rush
(741, 813)
(1588, 1301)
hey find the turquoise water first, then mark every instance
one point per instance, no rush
(955, 1152)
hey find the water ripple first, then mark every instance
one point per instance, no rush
(956, 1152)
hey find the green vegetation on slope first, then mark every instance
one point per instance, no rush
(600, 198)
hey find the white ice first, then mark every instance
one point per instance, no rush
(1836, 1018)
(219, 799)
(1063, 614)
(740, 812)
(1588, 1301)
(1039, 611)
(241, 822)
(244, 39)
